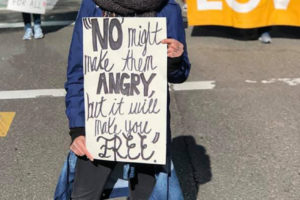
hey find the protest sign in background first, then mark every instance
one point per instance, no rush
(125, 88)
(50, 5)
(27, 6)
(3, 4)
(244, 13)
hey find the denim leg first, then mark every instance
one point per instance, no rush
(65, 182)
(167, 187)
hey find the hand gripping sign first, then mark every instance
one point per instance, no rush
(125, 89)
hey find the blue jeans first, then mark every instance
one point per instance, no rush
(166, 187)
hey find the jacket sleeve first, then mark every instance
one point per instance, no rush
(178, 68)
(74, 85)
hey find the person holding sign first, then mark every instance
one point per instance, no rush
(37, 30)
(91, 174)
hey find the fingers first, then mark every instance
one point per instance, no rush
(173, 43)
(85, 151)
(168, 41)
(175, 48)
(172, 52)
(75, 148)
(79, 148)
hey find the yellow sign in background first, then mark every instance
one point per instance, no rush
(244, 13)
(6, 119)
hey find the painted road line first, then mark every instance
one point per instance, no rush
(29, 94)
(196, 85)
(289, 81)
(44, 24)
(6, 119)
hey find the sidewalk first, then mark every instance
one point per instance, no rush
(64, 12)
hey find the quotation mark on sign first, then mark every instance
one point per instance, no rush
(156, 138)
(87, 23)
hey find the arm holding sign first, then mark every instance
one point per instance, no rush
(79, 148)
(74, 85)
(178, 62)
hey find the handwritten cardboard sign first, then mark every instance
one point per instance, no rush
(125, 88)
(28, 6)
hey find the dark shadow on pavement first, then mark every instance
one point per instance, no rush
(60, 17)
(245, 34)
(58, 20)
(192, 165)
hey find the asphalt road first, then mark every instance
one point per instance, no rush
(237, 141)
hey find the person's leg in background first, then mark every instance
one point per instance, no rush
(27, 26)
(184, 7)
(38, 32)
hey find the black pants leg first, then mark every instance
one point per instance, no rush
(26, 18)
(37, 18)
(90, 179)
(142, 185)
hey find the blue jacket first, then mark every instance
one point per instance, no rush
(74, 84)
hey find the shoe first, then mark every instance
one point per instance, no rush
(28, 34)
(184, 7)
(38, 33)
(265, 38)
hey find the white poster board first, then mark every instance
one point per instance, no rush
(125, 88)
(3, 3)
(28, 6)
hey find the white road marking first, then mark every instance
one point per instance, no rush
(250, 81)
(45, 23)
(197, 85)
(29, 94)
(187, 86)
(268, 81)
(289, 81)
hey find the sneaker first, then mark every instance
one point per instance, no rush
(184, 7)
(38, 33)
(265, 38)
(28, 34)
